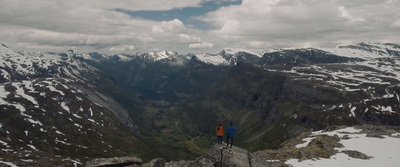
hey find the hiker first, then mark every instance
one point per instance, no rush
(231, 134)
(220, 133)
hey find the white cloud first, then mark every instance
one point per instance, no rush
(345, 14)
(71, 24)
(123, 48)
(174, 26)
(259, 24)
(203, 45)
(185, 38)
(287, 23)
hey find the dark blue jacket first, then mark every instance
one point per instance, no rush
(231, 131)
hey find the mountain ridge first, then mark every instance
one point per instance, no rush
(168, 107)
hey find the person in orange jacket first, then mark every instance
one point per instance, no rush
(220, 133)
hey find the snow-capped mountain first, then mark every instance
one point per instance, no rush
(351, 53)
(51, 112)
(230, 57)
(165, 57)
(26, 65)
(51, 105)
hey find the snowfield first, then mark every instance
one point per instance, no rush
(383, 152)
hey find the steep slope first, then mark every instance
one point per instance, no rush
(51, 113)
(145, 73)
(195, 79)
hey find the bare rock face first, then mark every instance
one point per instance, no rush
(356, 154)
(217, 156)
(222, 156)
(115, 162)
(322, 146)
(155, 163)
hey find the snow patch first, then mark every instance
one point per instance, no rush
(384, 109)
(92, 120)
(60, 133)
(352, 111)
(91, 112)
(34, 122)
(384, 152)
(33, 147)
(77, 116)
(3, 143)
(64, 106)
(77, 125)
(62, 142)
(53, 89)
(8, 163)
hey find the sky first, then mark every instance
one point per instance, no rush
(194, 26)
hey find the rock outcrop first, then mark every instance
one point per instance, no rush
(115, 162)
(318, 145)
(224, 156)
(217, 156)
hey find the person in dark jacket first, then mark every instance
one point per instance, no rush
(220, 133)
(231, 134)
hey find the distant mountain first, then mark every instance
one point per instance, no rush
(229, 57)
(375, 49)
(352, 53)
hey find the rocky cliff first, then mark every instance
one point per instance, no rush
(331, 144)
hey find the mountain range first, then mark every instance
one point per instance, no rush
(68, 108)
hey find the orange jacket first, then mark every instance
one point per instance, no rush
(220, 132)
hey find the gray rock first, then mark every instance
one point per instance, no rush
(206, 161)
(180, 164)
(115, 162)
(229, 157)
(158, 162)
(356, 154)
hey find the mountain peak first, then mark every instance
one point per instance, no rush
(234, 51)
(162, 54)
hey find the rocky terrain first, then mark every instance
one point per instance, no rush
(307, 146)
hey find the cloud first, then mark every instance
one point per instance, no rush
(259, 24)
(287, 23)
(174, 26)
(202, 45)
(345, 14)
(83, 23)
(123, 48)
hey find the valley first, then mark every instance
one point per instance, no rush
(68, 108)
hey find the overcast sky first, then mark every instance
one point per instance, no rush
(194, 26)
